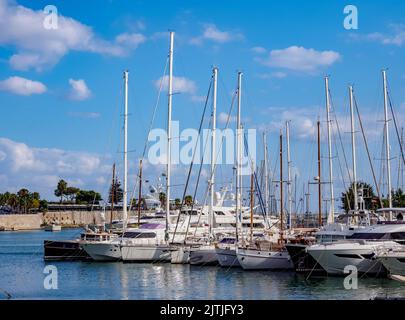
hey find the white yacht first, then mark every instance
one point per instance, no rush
(106, 247)
(359, 250)
(271, 257)
(145, 244)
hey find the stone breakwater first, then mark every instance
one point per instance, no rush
(15, 222)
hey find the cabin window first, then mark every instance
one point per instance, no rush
(350, 256)
(139, 235)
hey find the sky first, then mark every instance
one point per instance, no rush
(61, 89)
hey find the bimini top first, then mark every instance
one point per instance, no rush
(152, 226)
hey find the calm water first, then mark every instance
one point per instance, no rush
(21, 275)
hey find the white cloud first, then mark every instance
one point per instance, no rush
(22, 86)
(395, 37)
(212, 33)
(79, 90)
(180, 84)
(131, 39)
(300, 59)
(39, 169)
(223, 118)
(38, 48)
(259, 50)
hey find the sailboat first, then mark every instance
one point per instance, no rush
(205, 254)
(158, 248)
(109, 248)
(267, 255)
(363, 246)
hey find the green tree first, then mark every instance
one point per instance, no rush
(162, 198)
(177, 202)
(371, 201)
(71, 193)
(117, 191)
(188, 200)
(88, 197)
(61, 189)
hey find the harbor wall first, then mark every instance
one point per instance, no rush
(15, 222)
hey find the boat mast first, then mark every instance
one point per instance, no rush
(287, 130)
(251, 205)
(266, 174)
(125, 192)
(140, 192)
(213, 142)
(169, 132)
(281, 188)
(353, 149)
(387, 141)
(238, 214)
(112, 195)
(331, 216)
(318, 124)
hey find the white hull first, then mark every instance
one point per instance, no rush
(103, 251)
(227, 257)
(394, 263)
(251, 259)
(180, 255)
(204, 255)
(145, 253)
(334, 258)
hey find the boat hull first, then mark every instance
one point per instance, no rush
(203, 257)
(304, 262)
(69, 250)
(99, 251)
(227, 257)
(180, 255)
(146, 253)
(335, 258)
(252, 259)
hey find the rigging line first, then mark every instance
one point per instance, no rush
(227, 123)
(258, 191)
(194, 154)
(342, 175)
(340, 137)
(155, 108)
(368, 151)
(396, 129)
(133, 193)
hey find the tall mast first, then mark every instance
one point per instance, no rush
(287, 130)
(213, 142)
(169, 132)
(387, 141)
(140, 192)
(353, 149)
(125, 193)
(331, 216)
(281, 188)
(112, 195)
(251, 205)
(318, 124)
(238, 214)
(266, 175)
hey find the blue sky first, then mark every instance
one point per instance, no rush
(67, 125)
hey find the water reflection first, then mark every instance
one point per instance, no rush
(21, 270)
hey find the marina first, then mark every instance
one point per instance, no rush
(181, 194)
